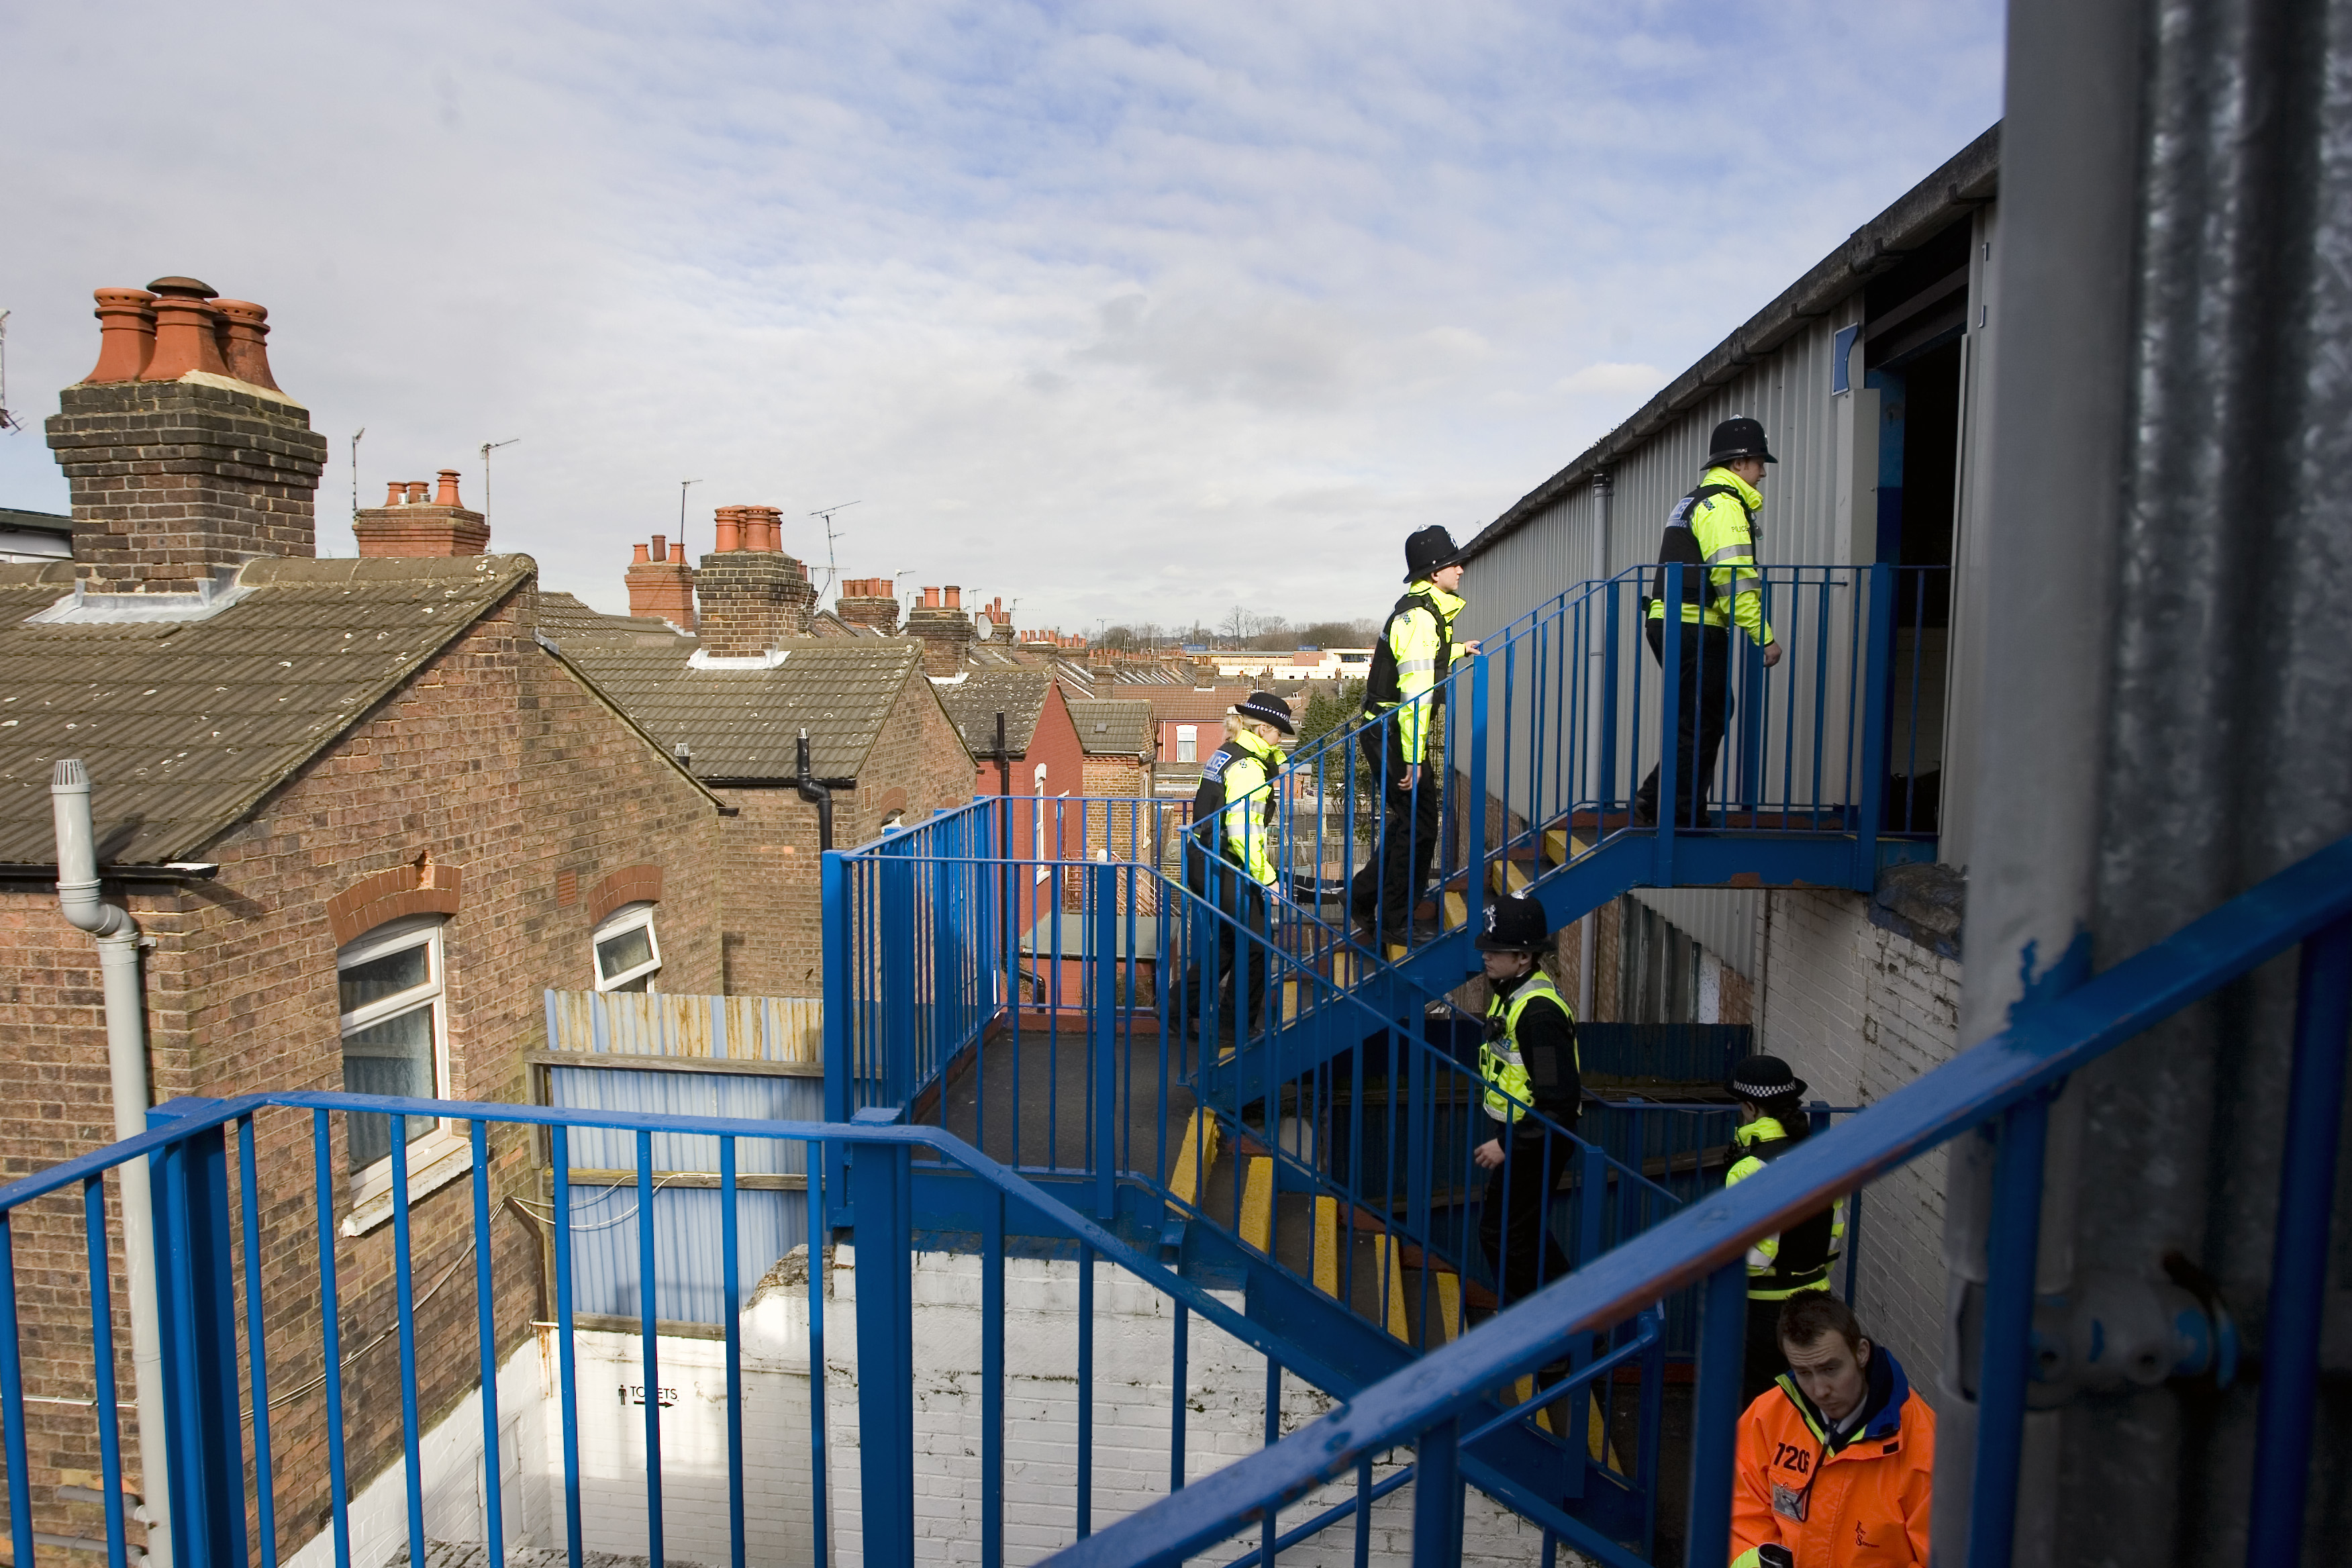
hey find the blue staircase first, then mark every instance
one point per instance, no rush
(1316, 1157)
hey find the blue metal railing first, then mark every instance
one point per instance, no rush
(2002, 1086)
(222, 1238)
(1557, 721)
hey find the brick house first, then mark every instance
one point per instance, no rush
(363, 810)
(732, 709)
(1191, 722)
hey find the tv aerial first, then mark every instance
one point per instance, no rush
(7, 421)
(832, 567)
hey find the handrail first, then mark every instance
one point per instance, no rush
(2043, 1044)
(220, 1113)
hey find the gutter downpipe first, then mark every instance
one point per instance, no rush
(118, 940)
(816, 793)
(1588, 936)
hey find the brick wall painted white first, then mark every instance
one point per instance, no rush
(1224, 1399)
(1860, 1011)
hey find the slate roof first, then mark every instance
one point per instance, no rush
(1114, 728)
(186, 725)
(743, 724)
(973, 701)
(1193, 705)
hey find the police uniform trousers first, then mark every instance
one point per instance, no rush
(1232, 892)
(1514, 1232)
(1703, 711)
(1408, 831)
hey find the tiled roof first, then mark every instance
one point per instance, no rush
(1113, 729)
(186, 725)
(1192, 705)
(746, 724)
(562, 615)
(973, 702)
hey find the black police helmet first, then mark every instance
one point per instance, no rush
(1765, 1079)
(1514, 924)
(1429, 550)
(1741, 437)
(1266, 706)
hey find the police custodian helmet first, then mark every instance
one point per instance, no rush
(1513, 925)
(1737, 439)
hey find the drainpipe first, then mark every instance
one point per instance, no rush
(816, 794)
(126, 1057)
(1004, 759)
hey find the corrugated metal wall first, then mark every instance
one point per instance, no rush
(771, 1220)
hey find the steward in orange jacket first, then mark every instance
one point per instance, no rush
(1849, 1490)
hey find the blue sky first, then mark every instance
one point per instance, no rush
(1134, 311)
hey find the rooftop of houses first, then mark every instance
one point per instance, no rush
(973, 701)
(186, 721)
(1113, 729)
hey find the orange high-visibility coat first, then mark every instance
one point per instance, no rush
(1863, 1505)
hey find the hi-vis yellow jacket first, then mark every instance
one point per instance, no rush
(1502, 1066)
(1727, 547)
(1416, 647)
(1233, 809)
(1798, 1258)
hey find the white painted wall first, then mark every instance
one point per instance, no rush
(1860, 1011)
(1224, 1397)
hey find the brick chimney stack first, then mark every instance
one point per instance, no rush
(661, 584)
(947, 632)
(184, 457)
(868, 602)
(753, 595)
(408, 525)
(1000, 624)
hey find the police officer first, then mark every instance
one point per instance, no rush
(1528, 1058)
(1711, 534)
(1416, 648)
(1229, 853)
(1771, 1123)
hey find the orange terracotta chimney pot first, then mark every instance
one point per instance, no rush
(398, 493)
(245, 328)
(416, 492)
(446, 495)
(661, 546)
(954, 598)
(728, 530)
(126, 333)
(930, 598)
(641, 556)
(184, 331)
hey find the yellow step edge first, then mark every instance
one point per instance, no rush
(1457, 910)
(1394, 1264)
(1257, 1205)
(1327, 1246)
(1508, 877)
(1449, 1306)
(1194, 1155)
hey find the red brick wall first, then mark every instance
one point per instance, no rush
(774, 889)
(495, 761)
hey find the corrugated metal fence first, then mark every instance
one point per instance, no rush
(751, 1057)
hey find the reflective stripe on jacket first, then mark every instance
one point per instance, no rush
(1500, 1066)
(1415, 648)
(1857, 1502)
(1726, 544)
(1798, 1258)
(1235, 805)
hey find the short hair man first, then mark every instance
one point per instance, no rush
(1835, 1462)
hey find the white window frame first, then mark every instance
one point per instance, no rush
(371, 1187)
(628, 917)
(1188, 742)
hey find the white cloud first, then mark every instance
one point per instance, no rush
(1030, 284)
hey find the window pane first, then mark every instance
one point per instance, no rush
(624, 950)
(387, 976)
(395, 1056)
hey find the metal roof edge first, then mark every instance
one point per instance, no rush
(1966, 181)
